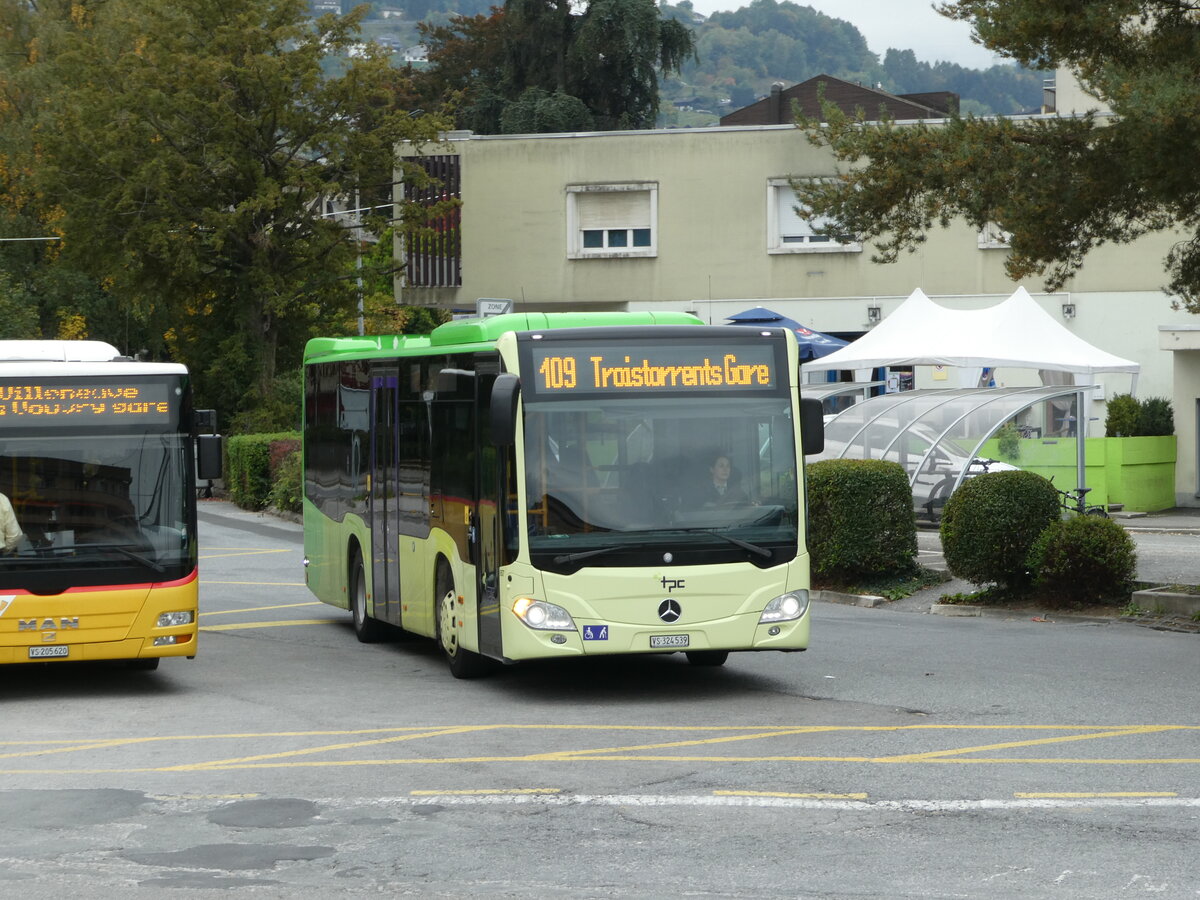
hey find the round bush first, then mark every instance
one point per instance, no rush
(1122, 417)
(860, 518)
(1082, 560)
(991, 522)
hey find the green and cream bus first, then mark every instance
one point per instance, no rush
(540, 485)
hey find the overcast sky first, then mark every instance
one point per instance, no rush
(903, 24)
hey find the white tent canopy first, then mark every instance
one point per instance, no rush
(1016, 333)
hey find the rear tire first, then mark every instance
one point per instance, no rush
(707, 657)
(1098, 511)
(463, 663)
(366, 629)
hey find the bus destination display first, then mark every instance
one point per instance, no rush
(572, 368)
(70, 403)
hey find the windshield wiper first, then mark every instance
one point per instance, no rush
(136, 557)
(737, 542)
(582, 554)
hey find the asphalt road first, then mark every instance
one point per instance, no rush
(903, 755)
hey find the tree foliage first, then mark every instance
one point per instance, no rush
(540, 65)
(184, 153)
(1060, 187)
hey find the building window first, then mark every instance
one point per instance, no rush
(993, 237)
(612, 220)
(787, 232)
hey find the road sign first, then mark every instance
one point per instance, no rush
(489, 306)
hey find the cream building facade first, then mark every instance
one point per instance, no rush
(703, 220)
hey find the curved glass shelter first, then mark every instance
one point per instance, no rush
(836, 396)
(937, 435)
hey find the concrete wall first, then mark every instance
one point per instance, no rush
(1183, 343)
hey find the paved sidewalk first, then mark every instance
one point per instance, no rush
(1181, 520)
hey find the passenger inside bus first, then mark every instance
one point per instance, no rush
(10, 529)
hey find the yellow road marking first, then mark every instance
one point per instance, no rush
(237, 762)
(485, 792)
(1073, 795)
(807, 729)
(226, 612)
(787, 794)
(204, 581)
(238, 551)
(933, 754)
(239, 626)
(717, 735)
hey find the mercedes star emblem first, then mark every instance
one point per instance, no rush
(669, 611)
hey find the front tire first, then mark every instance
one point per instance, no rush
(463, 663)
(366, 629)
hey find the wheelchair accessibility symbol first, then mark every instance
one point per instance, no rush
(595, 632)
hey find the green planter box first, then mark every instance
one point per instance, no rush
(1136, 472)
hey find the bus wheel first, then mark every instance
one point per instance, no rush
(463, 663)
(366, 629)
(707, 657)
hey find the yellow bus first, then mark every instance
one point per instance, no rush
(557, 485)
(97, 505)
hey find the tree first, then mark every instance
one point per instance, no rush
(1060, 187)
(189, 150)
(606, 54)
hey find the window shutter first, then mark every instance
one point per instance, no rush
(790, 223)
(613, 209)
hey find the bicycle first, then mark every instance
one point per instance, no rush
(1075, 501)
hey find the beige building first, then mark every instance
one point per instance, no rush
(703, 220)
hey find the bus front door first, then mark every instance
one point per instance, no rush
(488, 530)
(384, 510)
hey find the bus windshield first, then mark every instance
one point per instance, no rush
(96, 509)
(619, 480)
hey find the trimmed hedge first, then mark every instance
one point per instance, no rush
(860, 519)
(250, 465)
(990, 523)
(1130, 417)
(1083, 559)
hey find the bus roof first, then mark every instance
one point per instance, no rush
(57, 351)
(475, 334)
(41, 359)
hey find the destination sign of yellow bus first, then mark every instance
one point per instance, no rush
(46, 401)
(562, 373)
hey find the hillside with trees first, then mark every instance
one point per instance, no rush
(741, 53)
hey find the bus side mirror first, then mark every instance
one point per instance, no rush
(204, 421)
(812, 426)
(208, 457)
(506, 390)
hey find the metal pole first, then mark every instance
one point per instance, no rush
(358, 260)
(1081, 424)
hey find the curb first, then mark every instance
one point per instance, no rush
(868, 600)
(955, 609)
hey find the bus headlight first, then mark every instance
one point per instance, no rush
(173, 619)
(542, 615)
(785, 607)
